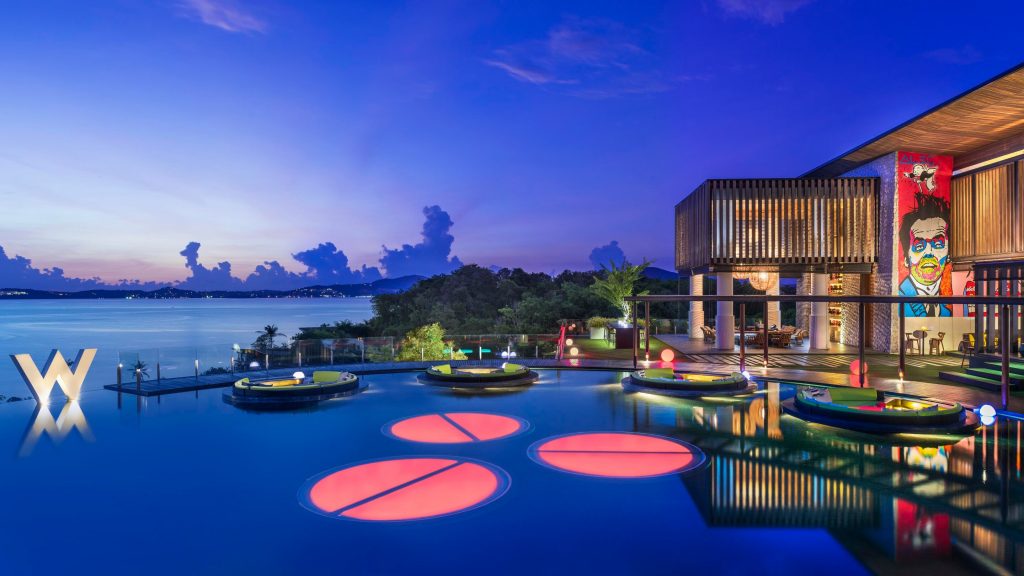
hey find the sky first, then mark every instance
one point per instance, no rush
(277, 143)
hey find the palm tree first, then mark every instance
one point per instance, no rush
(270, 332)
(142, 369)
(618, 283)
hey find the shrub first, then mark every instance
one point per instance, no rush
(427, 343)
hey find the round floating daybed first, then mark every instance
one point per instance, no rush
(870, 410)
(293, 392)
(505, 376)
(667, 382)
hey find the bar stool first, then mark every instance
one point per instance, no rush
(935, 345)
(910, 343)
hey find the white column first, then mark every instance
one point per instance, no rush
(819, 313)
(696, 315)
(774, 308)
(725, 322)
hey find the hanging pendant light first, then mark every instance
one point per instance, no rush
(762, 281)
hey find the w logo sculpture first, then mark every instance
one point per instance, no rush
(56, 372)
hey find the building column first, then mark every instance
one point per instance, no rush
(696, 313)
(775, 307)
(725, 322)
(819, 313)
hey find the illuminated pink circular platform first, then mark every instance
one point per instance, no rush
(617, 454)
(456, 427)
(404, 489)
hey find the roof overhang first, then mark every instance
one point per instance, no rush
(985, 115)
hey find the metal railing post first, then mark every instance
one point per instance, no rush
(138, 379)
(903, 341)
(765, 332)
(860, 344)
(1004, 387)
(636, 336)
(120, 366)
(743, 337)
(647, 331)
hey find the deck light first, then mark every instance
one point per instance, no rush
(987, 411)
(667, 355)
(568, 341)
(298, 375)
(574, 351)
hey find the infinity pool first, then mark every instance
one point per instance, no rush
(571, 475)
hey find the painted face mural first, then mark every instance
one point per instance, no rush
(928, 253)
(924, 264)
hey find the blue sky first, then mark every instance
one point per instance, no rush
(265, 128)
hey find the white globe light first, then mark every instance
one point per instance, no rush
(987, 411)
(574, 351)
(254, 364)
(987, 420)
(298, 375)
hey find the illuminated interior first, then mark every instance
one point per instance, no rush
(617, 454)
(456, 427)
(404, 489)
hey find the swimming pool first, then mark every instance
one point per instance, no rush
(507, 482)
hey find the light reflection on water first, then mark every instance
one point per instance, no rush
(806, 493)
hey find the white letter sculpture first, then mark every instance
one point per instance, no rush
(57, 372)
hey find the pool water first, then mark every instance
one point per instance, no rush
(552, 479)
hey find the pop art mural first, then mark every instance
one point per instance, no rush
(923, 263)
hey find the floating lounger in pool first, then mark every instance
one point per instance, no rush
(270, 393)
(870, 410)
(669, 383)
(505, 376)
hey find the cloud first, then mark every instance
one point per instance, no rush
(18, 272)
(223, 14)
(772, 12)
(202, 278)
(601, 256)
(965, 55)
(430, 256)
(328, 265)
(585, 57)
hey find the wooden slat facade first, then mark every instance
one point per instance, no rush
(986, 213)
(774, 224)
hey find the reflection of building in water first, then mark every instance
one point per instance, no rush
(71, 417)
(738, 490)
(886, 503)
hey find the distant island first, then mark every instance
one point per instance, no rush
(382, 286)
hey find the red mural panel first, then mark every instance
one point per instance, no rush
(922, 231)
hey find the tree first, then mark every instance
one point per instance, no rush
(265, 340)
(618, 284)
(427, 343)
(142, 369)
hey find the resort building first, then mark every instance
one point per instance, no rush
(931, 207)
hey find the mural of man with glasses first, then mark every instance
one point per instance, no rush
(924, 239)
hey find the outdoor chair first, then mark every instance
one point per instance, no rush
(798, 336)
(911, 343)
(935, 345)
(966, 347)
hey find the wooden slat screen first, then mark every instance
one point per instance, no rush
(773, 222)
(986, 209)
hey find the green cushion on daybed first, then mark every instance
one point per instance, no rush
(323, 376)
(510, 368)
(658, 373)
(443, 368)
(845, 395)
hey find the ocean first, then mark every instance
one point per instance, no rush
(179, 329)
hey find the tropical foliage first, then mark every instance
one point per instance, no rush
(427, 343)
(618, 282)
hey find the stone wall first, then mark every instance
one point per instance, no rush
(884, 318)
(849, 330)
(803, 309)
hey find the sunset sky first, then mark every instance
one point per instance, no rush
(261, 129)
